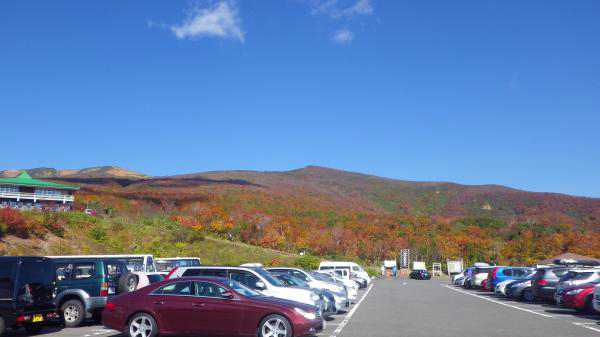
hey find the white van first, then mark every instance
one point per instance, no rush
(345, 265)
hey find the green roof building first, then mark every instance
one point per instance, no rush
(24, 192)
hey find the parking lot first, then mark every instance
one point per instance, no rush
(405, 307)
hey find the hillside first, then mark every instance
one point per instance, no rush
(335, 213)
(90, 172)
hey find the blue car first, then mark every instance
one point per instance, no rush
(500, 274)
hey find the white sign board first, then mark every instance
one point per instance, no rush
(454, 267)
(389, 263)
(419, 266)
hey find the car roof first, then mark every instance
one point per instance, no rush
(200, 278)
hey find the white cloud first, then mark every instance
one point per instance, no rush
(343, 36)
(336, 9)
(219, 20)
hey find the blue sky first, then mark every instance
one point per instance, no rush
(475, 92)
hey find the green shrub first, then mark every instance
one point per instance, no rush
(308, 262)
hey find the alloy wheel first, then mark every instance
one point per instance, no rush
(71, 313)
(274, 328)
(140, 327)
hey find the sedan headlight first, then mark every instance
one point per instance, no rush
(574, 292)
(314, 297)
(307, 315)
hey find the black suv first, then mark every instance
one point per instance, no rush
(545, 280)
(26, 292)
(84, 285)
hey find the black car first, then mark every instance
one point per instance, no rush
(27, 292)
(420, 275)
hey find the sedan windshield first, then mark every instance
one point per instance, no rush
(240, 289)
(267, 276)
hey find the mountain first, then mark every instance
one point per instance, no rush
(343, 190)
(90, 172)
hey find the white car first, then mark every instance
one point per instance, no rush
(254, 278)
(596, 299)
(146, 279)
(309, 278)
(329, 265)
(501, 287)
(351, 286)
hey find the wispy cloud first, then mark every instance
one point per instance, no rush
(343, 36)
(221, 20)
(336, 9)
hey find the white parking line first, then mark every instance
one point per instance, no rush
(583, 325)
(347, 318)
(492, 300)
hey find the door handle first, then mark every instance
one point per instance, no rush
(159, 302)
(201, 305)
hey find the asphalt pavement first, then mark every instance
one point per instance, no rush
(432, 308)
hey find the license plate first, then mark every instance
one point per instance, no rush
(37, 318)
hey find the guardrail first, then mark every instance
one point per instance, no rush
(36, 197)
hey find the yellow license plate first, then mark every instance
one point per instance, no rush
(37, 318)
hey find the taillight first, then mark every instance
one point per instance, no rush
(171, 273)
(104, 289)
(110, 306)
(23, 318)
(542, 282)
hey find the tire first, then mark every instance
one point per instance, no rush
(527, 295)
(127, 283)
(2, 326)
(589, 306)
(283, 326)
(142, 325)
(34, 328)
(73, 313)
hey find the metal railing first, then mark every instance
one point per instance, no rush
(35, 197)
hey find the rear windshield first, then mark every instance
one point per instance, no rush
(582, 276)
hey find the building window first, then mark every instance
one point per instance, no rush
(48, 192)
(9, 189)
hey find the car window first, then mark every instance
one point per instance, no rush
(508, 272)
(299, 275)
(206, 272)
(355, 268)
(246, 278)
(83, 271)
(155, 278)
(582, 276)
(326, 267)
(559, 272)
(150, 265)
(177, 288)
(63, 271)
(6, 279)
(114, 269)
(209, 289)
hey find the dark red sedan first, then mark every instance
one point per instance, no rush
(208, 306)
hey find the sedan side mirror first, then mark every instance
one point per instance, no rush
(227, 294)
(260, 285)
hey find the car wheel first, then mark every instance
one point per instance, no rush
(275, 326)
(34, 328)
(142, 325)
(589, 306)
(73, 313)
(528, 295)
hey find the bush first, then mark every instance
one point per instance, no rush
(15, 223)
(308, 262)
